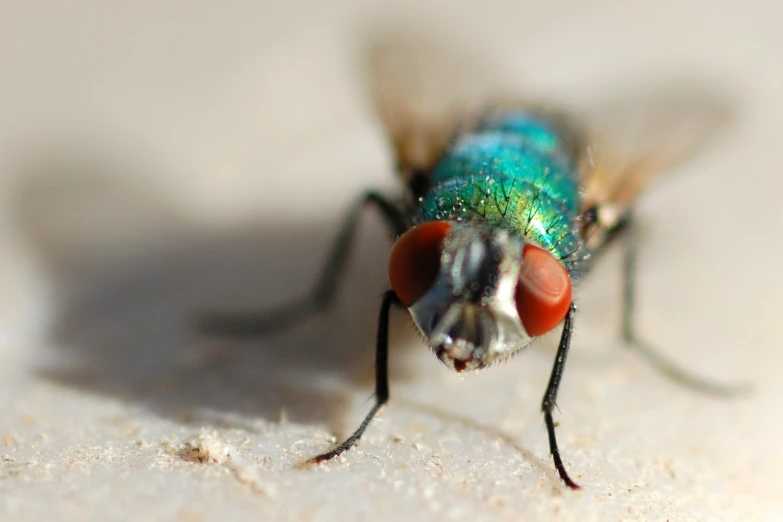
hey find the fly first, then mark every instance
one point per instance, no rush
(505, 206)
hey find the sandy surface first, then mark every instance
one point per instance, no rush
(162, 158)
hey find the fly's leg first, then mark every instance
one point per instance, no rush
(381, 378)
(247, 324)
(651, 355)
(550, 397)
(626, 227)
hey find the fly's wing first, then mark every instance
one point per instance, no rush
(637, 140)
(424, 93)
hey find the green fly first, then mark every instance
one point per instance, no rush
(505, 205)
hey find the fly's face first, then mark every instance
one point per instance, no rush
(477, 293)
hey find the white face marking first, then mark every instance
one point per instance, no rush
(469, 315)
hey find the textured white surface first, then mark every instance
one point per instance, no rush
(158, 158)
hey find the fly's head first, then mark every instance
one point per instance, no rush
(477, 293)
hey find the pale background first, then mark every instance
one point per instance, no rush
(158, 157)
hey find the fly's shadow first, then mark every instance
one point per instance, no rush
(130, 275)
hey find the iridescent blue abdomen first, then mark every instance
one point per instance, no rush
(511, 171)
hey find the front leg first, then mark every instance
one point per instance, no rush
(550, 397)
(381, 377)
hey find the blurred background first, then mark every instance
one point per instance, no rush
(162, 158)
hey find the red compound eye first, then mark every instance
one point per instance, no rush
(415, 260)
(543, 292)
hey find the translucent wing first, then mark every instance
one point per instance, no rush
(423, 93)
(640, 138)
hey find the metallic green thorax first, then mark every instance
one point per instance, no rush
(512, 171)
